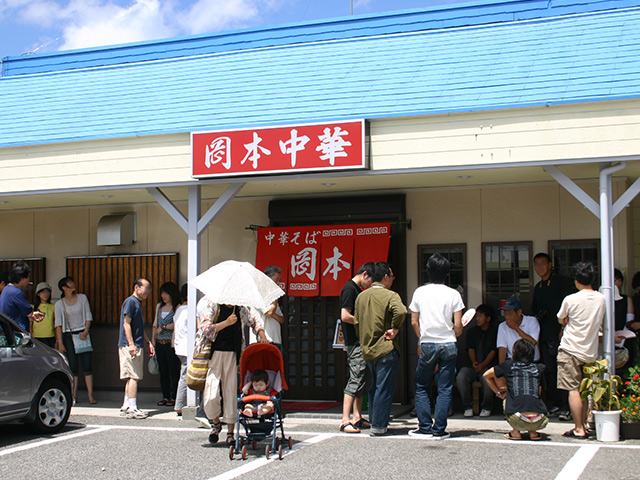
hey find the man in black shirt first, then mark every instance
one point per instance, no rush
(547, 299)
(481, 355)
(358, 382)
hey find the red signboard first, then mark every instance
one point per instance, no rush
(319, 260)
(284, 149)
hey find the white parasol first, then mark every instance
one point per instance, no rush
(237, 283)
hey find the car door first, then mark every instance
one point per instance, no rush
(15, 371)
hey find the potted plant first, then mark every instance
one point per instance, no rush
(603, 388)
(630, 404)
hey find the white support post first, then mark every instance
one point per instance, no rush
(193, 269)
(606, 255)
(194, 226)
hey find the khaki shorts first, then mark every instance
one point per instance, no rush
(131, 367)
(570, 372)
(522, 423)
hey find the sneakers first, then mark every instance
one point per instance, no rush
(468, 412)
(135, 413)
(420, 434)
(378, 434)
(485, 413)
(554, 412)
(441, 436)
(123, 410)
(565, 417)
(204, 421)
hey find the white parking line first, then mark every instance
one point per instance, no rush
(261, 462)
(576, 465)
(49, 441)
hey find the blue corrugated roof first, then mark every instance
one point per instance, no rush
(560, 59)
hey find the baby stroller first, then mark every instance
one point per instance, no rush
(263, 356)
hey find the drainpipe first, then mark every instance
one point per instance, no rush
(606, 247)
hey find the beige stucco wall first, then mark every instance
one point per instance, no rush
(564, 132)
(56, 234)
(536, 213)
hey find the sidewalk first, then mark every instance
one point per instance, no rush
(400, 414)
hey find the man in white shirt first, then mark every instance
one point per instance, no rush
(436, 318)
(581, 315)
(515, 327)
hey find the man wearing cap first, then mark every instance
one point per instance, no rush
(13, 301)
(515, 327)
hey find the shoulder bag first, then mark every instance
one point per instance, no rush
(199, 366)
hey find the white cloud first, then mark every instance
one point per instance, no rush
(90, 23)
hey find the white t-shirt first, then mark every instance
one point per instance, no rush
(586, 311)
(507, 336)
(436, 304)
(180, 330)
(271, 327)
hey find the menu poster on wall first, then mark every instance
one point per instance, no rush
(319, 260)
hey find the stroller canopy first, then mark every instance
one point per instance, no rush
(263, 356)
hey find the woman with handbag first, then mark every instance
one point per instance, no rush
(73, 320)
(163, 327)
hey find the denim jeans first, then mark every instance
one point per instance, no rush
(443, 355)
(384, 377)
(181, 395)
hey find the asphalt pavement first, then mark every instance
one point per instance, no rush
(99, 443)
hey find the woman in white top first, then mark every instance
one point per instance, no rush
(180, 346)
(73, 315)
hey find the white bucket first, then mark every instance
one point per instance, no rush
(607, 425)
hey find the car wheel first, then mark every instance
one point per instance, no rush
(53, 406)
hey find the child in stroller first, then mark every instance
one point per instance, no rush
(259, 385)
(260, 408)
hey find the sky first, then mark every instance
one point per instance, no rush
(41, 26)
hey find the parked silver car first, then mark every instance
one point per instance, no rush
(35, 381)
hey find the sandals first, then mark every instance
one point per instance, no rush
(92, 401)
(349, 428)
(535, 438)
(170, 403)
(572, 434)
(508, 436)
(215, 433)
(162, 403)
(362, 424)
(230, 439)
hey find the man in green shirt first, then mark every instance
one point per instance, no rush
(379, 314)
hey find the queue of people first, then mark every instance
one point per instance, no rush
(513, 360)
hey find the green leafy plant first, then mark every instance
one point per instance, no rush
(601, 386)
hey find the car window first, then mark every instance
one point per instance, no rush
(7, 338)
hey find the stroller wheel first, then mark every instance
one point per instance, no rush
(290, 443)
(267, 452)
(277, 442)
(244, 453)
(241, 442)
(231, 452)
(280, 452)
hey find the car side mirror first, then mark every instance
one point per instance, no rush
(23, 339)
